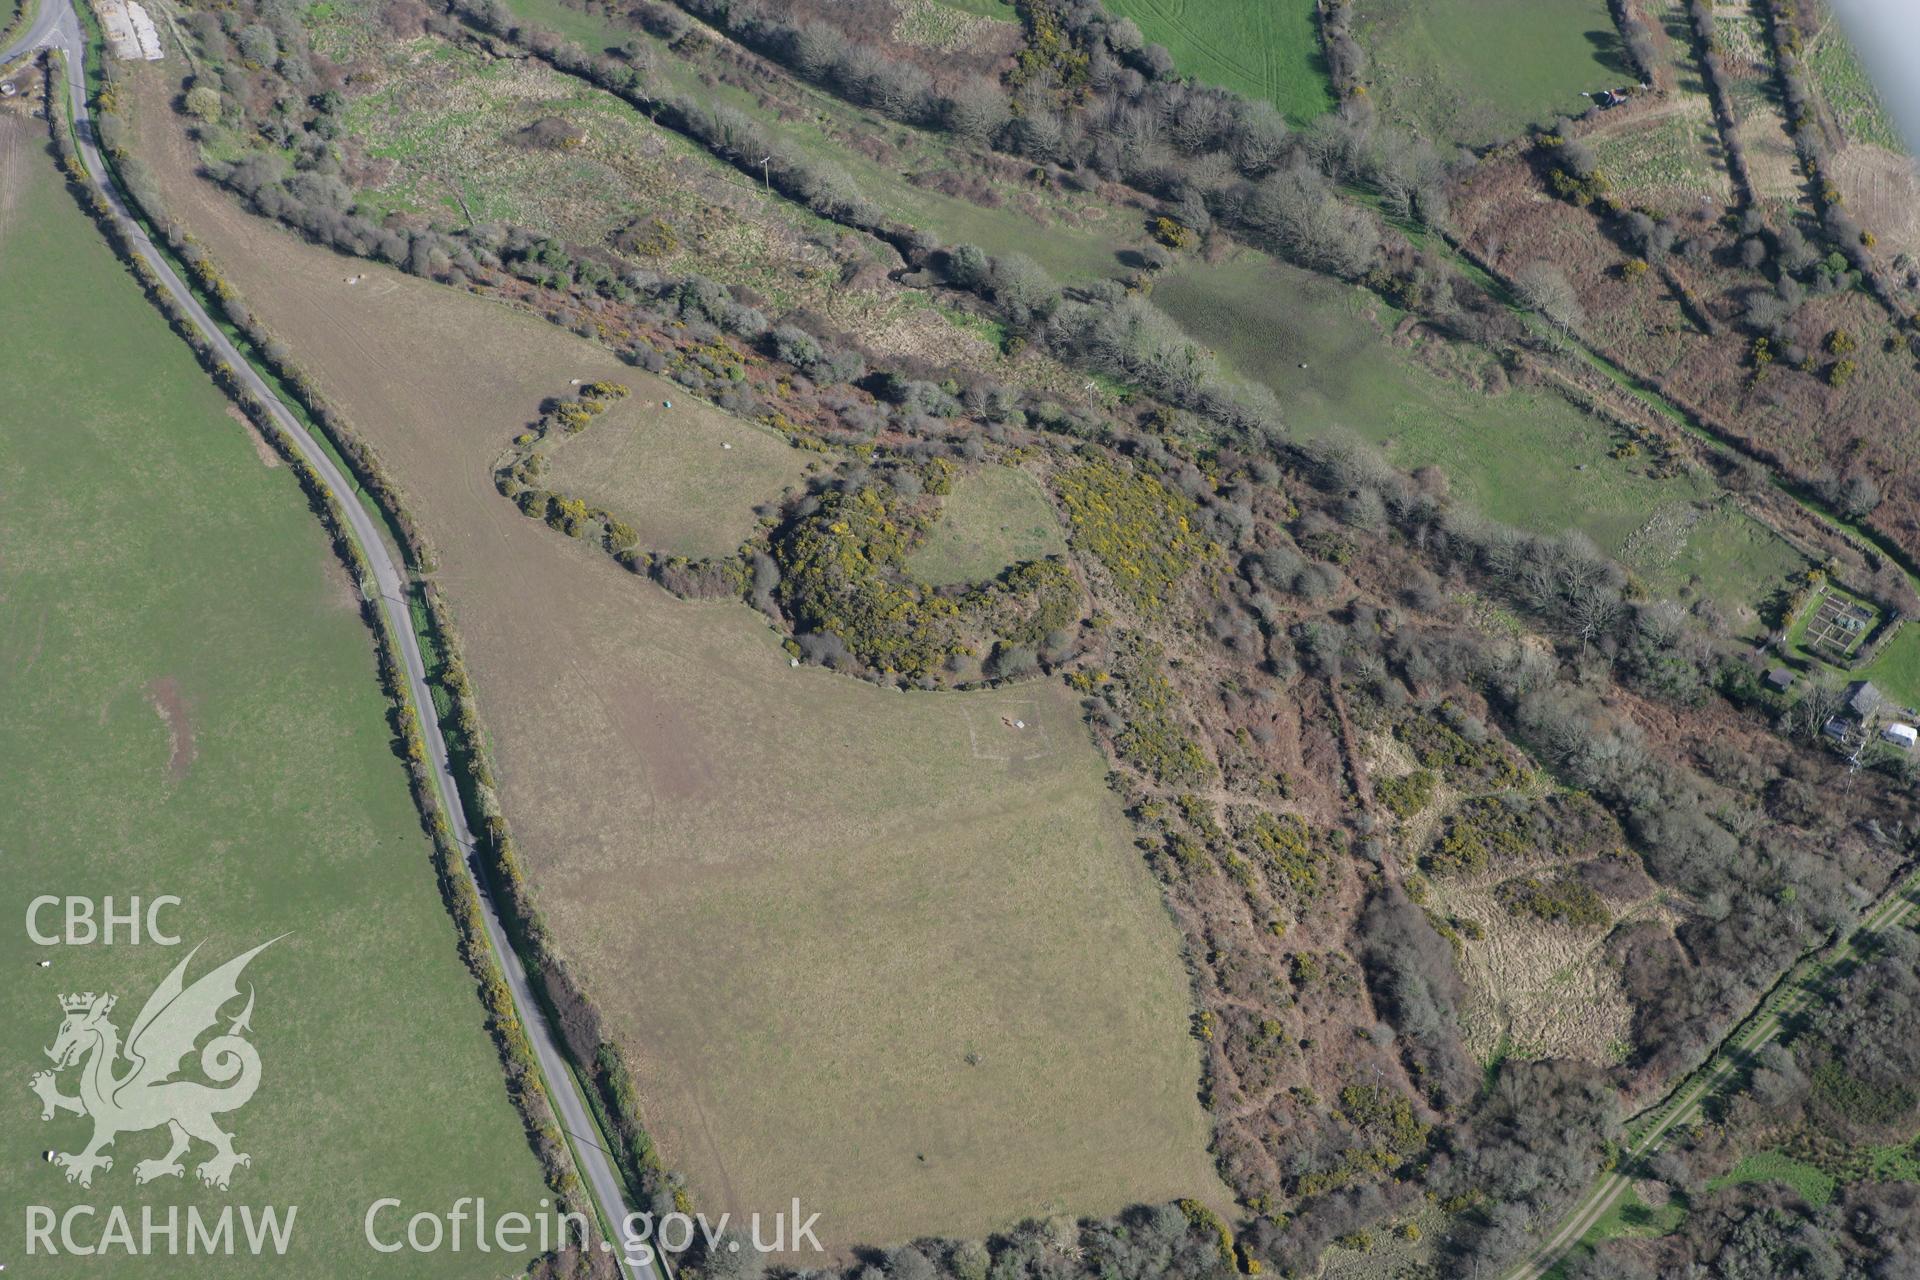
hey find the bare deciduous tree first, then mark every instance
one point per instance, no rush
(1546, 289)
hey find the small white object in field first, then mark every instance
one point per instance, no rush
(1303, 364)
(1019, 724)
(576, 382)
(667, 403)
(726, 446)
(46, 964)
(793, 662)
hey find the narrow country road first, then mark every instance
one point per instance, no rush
(58, 27)
(42, 30)
(1684, 1105)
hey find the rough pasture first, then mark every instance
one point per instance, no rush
(1473, 71)
(882, 951)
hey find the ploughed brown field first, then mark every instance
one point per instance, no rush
(882, 952)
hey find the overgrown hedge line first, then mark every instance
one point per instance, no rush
(1701, 22)
(1862, 535)
(728, 134)
(1781, 21)
(1284, 207)
(1636, 36)
(1346, 60)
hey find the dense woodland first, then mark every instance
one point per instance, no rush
(1247, 617)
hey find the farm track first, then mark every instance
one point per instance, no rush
(59, 28)
(1647, 1131)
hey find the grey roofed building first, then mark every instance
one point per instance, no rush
(1863, 700)
(1780, 678)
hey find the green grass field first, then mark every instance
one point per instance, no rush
(1812, 1183)
(949, 24)
(1525, 457)
(1754, 99)
(1261, 48)
(192, 709)
(14, 15)
(1080, 232)
(993, 519)
(444, 118)
(1888, 1162)
(686, 478)
(1516, 456)
(1633, 1217)
(1472, 71)
(1896, 670)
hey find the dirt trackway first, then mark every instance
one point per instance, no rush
(1685, 1103)
(59, 28)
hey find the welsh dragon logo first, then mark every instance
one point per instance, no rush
(131, 1088)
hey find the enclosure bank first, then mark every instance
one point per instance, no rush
(83, 1230)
